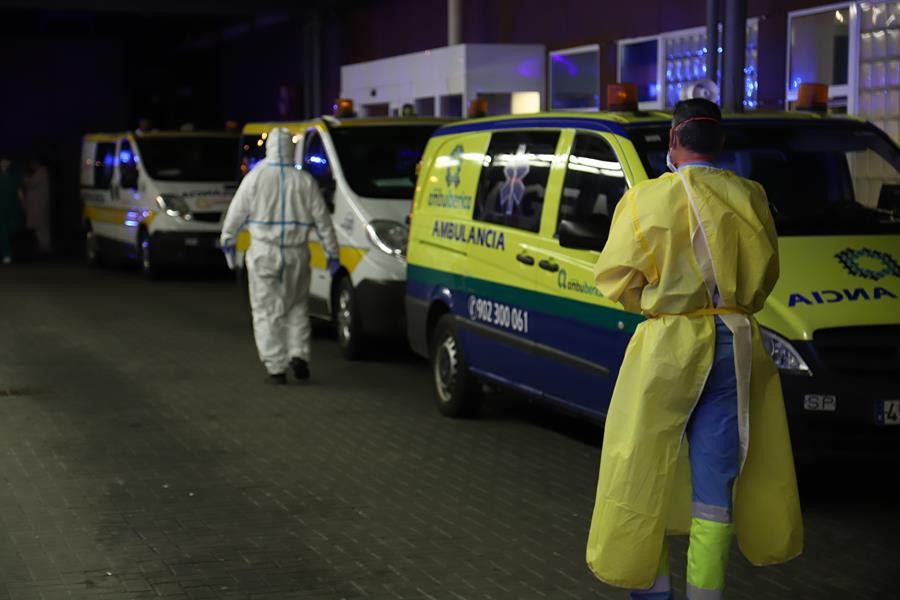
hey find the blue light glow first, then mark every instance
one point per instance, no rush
(570, 66)
(529, 68)
(125, 156)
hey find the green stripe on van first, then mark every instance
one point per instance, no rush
(590, 314)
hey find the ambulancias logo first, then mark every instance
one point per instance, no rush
(452, 176)
(868, 263)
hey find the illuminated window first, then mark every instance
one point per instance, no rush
(639, 64)
(819, 51)
(879, 66)
(575, 78)
(662, 65)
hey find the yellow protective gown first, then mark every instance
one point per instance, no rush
(673, 241)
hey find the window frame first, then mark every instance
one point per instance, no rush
(566, 52)
(660, 102)
(850, 90)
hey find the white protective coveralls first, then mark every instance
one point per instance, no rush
(280, 205)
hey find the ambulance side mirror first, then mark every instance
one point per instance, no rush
(889, 197)
(584, 234)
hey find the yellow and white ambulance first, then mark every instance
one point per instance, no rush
(366, 169)
(509, 215)
(156, 197)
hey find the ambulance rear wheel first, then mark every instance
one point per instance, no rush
(347, 320)
(457, 390)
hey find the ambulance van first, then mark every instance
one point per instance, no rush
(510, 213)
(366, 169)
(156, 197)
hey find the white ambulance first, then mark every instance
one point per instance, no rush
(157, 197)
(366, 169)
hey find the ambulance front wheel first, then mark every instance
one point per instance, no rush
(347, 320)
(457, 390)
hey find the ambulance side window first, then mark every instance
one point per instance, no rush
(594, 181)
(514, 178)
(128, 172)
(315, 159)
(104, 161)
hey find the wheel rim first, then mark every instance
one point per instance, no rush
(446, 369)
(146, 262)
(90, 246)
(345, 315)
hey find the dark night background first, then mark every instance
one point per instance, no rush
(74, 67)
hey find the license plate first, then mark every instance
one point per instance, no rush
(820, 403)
(887, 412)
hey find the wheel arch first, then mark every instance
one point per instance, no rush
(438, 308)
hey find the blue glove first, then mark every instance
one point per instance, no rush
(334, 265)
(229, 250)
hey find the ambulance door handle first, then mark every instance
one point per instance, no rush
(549, 266)
(525, 259)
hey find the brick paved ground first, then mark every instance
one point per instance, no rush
(142, 457)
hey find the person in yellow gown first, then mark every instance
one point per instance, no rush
(696, 438)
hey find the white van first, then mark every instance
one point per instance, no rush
(157, 197)
(366, 169)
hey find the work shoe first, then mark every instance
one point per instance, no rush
(301, 368)
(276, 379)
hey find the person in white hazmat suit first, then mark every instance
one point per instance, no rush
(280, 205)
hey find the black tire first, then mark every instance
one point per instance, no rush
(347, 321)
(458, 392)
(148, 258)
(92, 252)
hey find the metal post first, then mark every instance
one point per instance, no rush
(712, 40)
(735, 48)
(454, 18)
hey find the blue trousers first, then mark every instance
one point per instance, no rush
(714, 443)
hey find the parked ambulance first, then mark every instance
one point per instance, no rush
(510, 214)
(156, 197)
(366, 169)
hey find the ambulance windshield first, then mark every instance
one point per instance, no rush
(821, 177)
(190, 158)
(380, 161)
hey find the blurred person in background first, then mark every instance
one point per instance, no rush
(10, 208)
(37, 204)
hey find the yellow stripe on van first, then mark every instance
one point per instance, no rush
(117, 216)
(350, 257)
(260, 128)
(102, 137)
